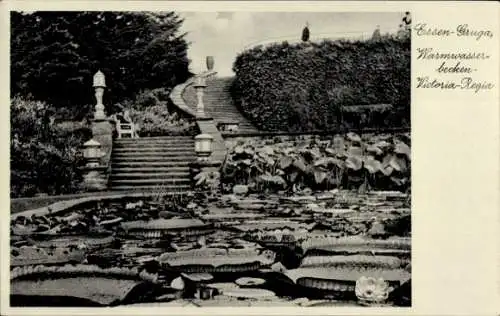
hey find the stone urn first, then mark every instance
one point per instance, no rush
(210, 63)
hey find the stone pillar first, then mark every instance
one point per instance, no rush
(99, 86)
(200, 86)
(96, 175)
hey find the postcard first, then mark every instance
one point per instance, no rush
(216, 157)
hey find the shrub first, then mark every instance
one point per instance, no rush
(303, 87)
(44, 157)
(158, 121)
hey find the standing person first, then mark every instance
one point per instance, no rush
(306, 33)
(407, 21)
(126, 116)
(376, 34)
(401, 31)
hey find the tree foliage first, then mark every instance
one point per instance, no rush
(55, 54)
(303, 87)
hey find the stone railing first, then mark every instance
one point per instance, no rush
(177, 93)
(206, 125)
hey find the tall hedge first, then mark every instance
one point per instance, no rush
(302, 87)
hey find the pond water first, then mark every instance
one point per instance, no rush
(216, 251)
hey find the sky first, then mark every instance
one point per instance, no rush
(225, 34)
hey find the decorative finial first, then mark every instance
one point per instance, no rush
(99, 79)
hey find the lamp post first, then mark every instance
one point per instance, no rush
(200, 86)
(99, 86)
(92, 153)
(203, 146)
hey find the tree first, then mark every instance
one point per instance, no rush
(55, 54)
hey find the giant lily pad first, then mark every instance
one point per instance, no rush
(250, 281)
(34, 255)
(249, 293)
(217, 260)
(156, 228)
(91, 285)
(355, 244)
(81, 241)
(279, 236)
(361, 261)
(272, 224)
(342, 279)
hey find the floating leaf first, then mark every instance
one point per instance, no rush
(321, 162)
(270, 161)
(330, 151)
(354, 163)
(355, 151)
(201, 179)
(372, 165)
(353, 137)
(374, 150)
(267, 150)
(300, 164)
(387, 171)
(238, 150)
(249, 151)
(402, 149)
(399, 181)
(319, 176)
(199, 176)
(399, 164)
(285, 162)
(246, 162)
(383, 144)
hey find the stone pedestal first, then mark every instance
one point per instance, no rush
(95, 178)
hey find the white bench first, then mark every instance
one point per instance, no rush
(125, 129)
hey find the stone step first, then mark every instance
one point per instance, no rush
(176, 148)
(155, 158)
(161, 175)
(157, 181)
(154, 144)
(156, 138)
(155, 153)
(172, 188)
(141, 169)
(165, 164)
(151, 140)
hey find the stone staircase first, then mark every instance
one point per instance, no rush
(219, 104)
(151, 163)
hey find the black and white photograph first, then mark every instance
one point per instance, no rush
(210, 159)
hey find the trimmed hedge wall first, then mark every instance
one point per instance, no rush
(302, 87)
